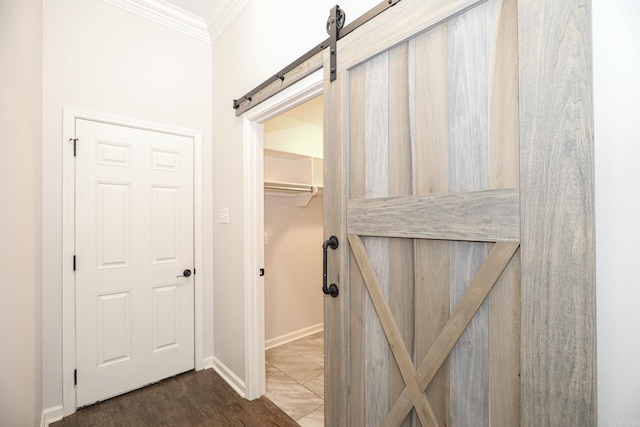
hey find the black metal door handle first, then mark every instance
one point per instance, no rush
(332, 289)
(185, 273)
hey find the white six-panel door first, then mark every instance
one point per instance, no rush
(134, 238)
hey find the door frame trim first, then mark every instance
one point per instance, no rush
(253, 158)
(70, 115)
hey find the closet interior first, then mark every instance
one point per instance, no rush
(293, 224)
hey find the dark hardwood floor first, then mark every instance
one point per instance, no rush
(192, 399)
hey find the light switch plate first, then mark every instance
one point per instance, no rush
(224, 216)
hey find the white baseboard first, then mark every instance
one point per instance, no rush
(207, 362)
(292, 336)
(227, 374)
(51, 415)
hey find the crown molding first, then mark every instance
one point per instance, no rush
(219, 22)
(168, 15)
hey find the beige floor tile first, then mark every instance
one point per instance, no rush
(314, 419)
(305, 345)
(293, 398)
(316, 385)
(280, 350)
(297, 367)
(295, 379)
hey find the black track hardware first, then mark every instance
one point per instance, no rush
(334, 24)
(336, 32)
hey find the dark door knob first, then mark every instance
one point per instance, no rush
(185, 273)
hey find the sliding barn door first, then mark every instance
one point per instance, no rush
(422, 176)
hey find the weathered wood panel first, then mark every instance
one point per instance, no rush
(453, 330)
(484, 216)
(376, 157)
(504, 153)
(356, 283)
(468, 139)
(401, 253)
(397, 25)
(504, 347)
(394, 336)
(432, 176)
(557, 187)
(336, 310)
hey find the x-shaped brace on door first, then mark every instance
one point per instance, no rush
(416, 381)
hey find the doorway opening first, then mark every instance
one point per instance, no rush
(293, 232)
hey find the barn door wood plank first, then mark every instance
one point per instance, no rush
(504, 156)
(393, 334)
(432, 176)
(376, 159)
(357, 291)
(336, 310)
(474, 296)
(557, 196)
(472, 216)
(468, 138)
(401, 251)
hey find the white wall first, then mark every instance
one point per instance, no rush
(20, 211)
(293, 262)
(616, 37)
(101, 58)
(261, 41)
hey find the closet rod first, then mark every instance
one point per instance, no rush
(291, 187)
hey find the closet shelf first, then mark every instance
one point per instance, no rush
(292, 174)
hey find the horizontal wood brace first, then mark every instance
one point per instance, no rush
(477, 216)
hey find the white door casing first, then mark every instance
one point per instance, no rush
(161, 340)
(296, 94)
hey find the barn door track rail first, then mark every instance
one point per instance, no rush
(306, 64)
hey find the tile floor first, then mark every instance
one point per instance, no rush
(295, 379)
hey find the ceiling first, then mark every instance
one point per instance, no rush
(310, 112)
(212, 11)
(202, 8)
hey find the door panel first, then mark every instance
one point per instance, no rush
(114, 328)
(456, 130)
(164, 223)
(432, 177)
(113, 226)
(468, 161)
(432, 221)
(134, 236)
